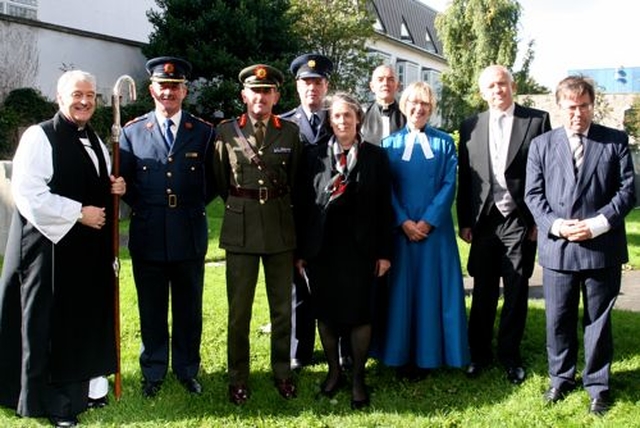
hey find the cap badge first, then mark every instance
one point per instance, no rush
(261, 73)
(311, 63)
(169, 68)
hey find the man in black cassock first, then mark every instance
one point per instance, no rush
(57, 284)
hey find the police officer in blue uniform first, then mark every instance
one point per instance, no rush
(312, 72)
(167, 159)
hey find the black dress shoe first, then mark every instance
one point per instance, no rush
(516, 375)
(553, 394)
(150, 388)
(192, 385)
(330, 392)
(360, 404)
(286, 388)
(63, 422)
(97, 403)
(238, 394)
(599, 406)
(474, 369)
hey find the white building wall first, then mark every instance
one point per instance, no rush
(106, 60)
(118, 18)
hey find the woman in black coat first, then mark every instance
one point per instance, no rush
(344, 222)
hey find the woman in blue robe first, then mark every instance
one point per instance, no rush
(426, 324)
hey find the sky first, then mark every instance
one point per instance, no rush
(574, 35)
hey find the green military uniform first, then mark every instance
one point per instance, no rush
(257, 225)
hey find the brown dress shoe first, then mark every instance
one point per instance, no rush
(238, 394)
(286, 388)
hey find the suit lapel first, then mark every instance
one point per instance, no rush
(562, 153)
(592, 154)
(518, 132)
(483, 140)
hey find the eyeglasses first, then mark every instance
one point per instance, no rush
(419, 103)
(582, 108)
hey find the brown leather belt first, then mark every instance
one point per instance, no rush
(262, 194)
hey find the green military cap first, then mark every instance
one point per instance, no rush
(261, 76)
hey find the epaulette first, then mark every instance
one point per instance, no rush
(288, 114)
(202, 120)
(137, 119)
(225, 121)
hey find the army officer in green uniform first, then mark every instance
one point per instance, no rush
(255, 162)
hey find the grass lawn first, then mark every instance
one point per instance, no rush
(446, 398)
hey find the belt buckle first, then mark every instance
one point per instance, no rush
(173, 201)
(263, 194)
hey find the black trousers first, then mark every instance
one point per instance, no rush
(153, 281)
(500, 249)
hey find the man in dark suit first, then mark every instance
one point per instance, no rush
(255, 164)
(383, 116)
(312, 73)
(167, 157)
(579, 188)
(494, 219)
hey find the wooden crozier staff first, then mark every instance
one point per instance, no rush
(115, 139)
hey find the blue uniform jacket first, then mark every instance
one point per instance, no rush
(167, 190)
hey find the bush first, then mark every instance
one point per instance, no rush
(21, 108)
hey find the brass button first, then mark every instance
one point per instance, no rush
(169, 174)
(170, 158)
(168, 191)
(261, 182)
(260, 152)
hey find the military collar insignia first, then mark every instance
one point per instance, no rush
(188, 125)
(275, 119)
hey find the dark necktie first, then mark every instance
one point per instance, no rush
(259, 133)
(315, 123)
(168, 134)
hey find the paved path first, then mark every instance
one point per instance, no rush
(629, 298)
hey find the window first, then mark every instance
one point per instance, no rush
(378, 25)
(432, 77)
(430, 46)
(20, 8)
(404, 33)
(400, 70)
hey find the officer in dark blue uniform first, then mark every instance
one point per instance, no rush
(167, 157)
(312, 72)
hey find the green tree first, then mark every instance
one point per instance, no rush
(632, 119)
(475, 34)
(526, 85)
(339, 30)
(220, 38)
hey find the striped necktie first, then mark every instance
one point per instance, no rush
(577, 150)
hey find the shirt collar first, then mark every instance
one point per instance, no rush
(175, 118)
(508, 113)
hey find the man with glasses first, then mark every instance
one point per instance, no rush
(494, 219)
(579, 188)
